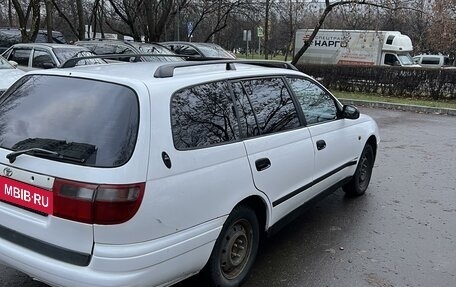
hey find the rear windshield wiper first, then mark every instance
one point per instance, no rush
(44, 153)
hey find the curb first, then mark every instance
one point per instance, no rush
(391, 106)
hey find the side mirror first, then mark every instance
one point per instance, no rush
(13, 63)
(350, 112)
(48, 65)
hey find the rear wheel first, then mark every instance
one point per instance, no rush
(360, 181)
(235, 249)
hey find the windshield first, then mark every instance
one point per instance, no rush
(213, 51)
(406, 59)
(156, 49)
(63, 54)
(78, 118)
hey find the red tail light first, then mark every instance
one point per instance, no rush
(96, 203)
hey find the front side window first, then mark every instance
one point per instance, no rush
(391, 60)
(318, 106)
(267, 106)
(42, 59)
(203, 116)
(88, 122)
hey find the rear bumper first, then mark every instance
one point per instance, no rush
(159, 262)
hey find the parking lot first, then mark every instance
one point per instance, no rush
(401, 233)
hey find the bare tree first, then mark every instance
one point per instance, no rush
(74, 19)
(33, 11)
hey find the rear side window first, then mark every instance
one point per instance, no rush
(88, 122)
(20, 56)
(203, 116)
(266, 106)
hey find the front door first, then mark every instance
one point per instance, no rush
(278, 146)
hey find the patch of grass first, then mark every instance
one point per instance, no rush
(447, 104)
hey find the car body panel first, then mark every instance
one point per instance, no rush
(185, 204)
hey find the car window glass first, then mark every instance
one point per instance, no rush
(430, 60)
(41, 58)
(391, 59)
(318, 106)
(104, 49)
(64, 54)
(20, 56)
(202, 116)
(246, 114)
(272, 105)
(78, 118)
(184, 50)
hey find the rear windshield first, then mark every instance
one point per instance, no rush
(94, 122)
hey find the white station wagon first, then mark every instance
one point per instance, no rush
(143, 174)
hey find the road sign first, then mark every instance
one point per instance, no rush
(260, 33)
(247, 35)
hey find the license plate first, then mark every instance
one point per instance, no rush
(26, 195)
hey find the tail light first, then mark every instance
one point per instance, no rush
(96, 203)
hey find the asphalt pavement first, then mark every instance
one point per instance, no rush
(400, 233)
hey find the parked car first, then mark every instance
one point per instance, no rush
(432, 61)
(8, 74)
(46, 56)
(105, 47)
(142, 174)
(10, 36)
(201, 50)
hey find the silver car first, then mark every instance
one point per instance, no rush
(35, 56)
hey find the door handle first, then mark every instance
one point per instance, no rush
(262, 164)
(321, 144)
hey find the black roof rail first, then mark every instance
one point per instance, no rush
(167, 70)
(71, 63)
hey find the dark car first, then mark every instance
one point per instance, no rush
(11, 36)
(199, 50)
(106, 47)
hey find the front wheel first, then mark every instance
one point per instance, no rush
(360, 180)
(235, 249)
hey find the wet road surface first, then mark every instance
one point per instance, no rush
(401, 233)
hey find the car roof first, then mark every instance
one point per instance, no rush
(46, 45)
(186, 72)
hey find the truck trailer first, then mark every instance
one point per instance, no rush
(355, 47)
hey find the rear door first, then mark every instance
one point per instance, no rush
(279, 147)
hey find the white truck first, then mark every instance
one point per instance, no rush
(355, 47)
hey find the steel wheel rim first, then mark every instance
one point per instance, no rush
(364, 172)
(236, 249)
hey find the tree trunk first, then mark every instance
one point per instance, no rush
(49, 20)
(10, 13)
(80, 19)
(266, 32)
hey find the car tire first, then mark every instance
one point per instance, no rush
(360, 181)
(234, 251)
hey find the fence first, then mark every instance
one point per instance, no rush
(436, 84)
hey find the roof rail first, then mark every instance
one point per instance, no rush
(167, 70)
(71, 63)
